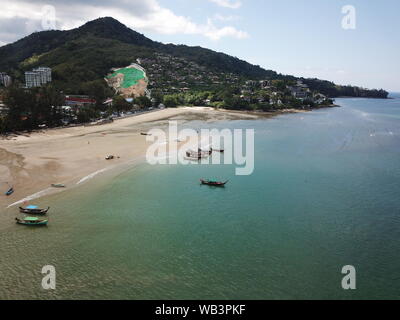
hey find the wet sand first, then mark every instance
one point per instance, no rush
(32, 162)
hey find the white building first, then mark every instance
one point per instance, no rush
(265, 84)
(45, 74)
(319, 98)
(37, 77)
(299, 92)
(32, 79)
(5, 79)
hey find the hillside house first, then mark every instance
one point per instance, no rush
(79, 101)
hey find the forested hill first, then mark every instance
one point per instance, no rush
(80, 58)
(109, 35)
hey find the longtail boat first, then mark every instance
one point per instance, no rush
(58, 185)
(9, 192)
(32, 221)
(34, 210)
(213, 183)
(198, 155)
(204, 152)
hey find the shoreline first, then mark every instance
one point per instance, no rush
(75, 155)
(71, 156)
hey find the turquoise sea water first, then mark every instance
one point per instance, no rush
(325, 193)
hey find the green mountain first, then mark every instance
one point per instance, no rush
(82, 57)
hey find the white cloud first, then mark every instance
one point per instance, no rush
(144, 16)
(214, 33)
(228, 3)
(219, 17)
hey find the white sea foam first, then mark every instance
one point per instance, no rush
(32, 197)
(364, 115)
(382, 133)
(91, 176)
(48, 191)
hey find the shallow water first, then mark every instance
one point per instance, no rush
(325, 193)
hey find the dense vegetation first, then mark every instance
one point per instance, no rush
(230, 98)
(81, 57)
(330, 89)
(88, 53)
(27, 109)
(31, 109)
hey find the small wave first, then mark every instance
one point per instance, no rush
(363, 115)
(32, 197)
(91, 176)
(382, 133)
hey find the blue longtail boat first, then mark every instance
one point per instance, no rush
(9, 192)
(33, 210)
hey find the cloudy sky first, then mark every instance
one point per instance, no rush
(299, 37)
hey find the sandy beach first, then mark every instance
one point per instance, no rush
(32, 162)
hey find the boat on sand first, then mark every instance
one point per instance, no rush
(58, 185)
(34, 210)
(9, 192)
(32, 221)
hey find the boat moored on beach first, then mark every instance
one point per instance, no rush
(32, 221)
(34, 210)
(58, 185)
(9, 192)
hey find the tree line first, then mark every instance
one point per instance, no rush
(29, 109)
